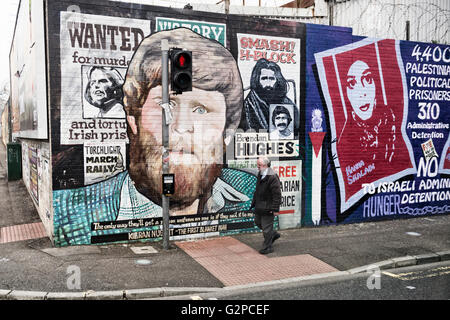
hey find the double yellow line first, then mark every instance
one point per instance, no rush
(407, 276)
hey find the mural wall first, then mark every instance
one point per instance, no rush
(107, 115)
(384, 113)
(357, 129)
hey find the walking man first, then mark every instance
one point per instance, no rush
(266, 201)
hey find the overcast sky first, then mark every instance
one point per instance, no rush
(7, 21)
(8, 13)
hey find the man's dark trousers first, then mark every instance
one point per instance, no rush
(266, 201)
(265, 223)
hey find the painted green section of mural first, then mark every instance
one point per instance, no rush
(214, 31)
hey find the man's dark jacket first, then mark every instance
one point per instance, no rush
(267, 196)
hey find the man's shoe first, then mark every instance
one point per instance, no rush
(276, 237)
(266, 250)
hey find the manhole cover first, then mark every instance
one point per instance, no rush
(143, 250)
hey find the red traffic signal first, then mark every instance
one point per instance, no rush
(183, 59)
(181, 70)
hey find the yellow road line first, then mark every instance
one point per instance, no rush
(407, 276)
(391, 274)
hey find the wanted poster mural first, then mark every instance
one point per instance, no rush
(102, 95)
(95, 53)
(270, 71)
(366, 94)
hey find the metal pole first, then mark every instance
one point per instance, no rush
(330, 12)
(407, 30)
(10, 124)
(165, 137)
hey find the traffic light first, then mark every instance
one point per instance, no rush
(181, 70)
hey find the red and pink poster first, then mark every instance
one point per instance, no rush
(364, 86)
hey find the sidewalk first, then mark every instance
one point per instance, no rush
(31, 268)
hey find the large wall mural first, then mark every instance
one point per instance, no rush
(357, 129)
(368, 107)
(107, 157)
(383, 106)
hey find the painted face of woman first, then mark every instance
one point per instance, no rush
(361, 89)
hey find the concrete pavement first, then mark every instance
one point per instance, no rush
(30, 268)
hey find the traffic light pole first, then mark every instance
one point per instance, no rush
(165, 137)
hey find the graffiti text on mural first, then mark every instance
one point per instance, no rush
(358, 170)
(429, 81)
(425, 135)
(289, 183)
(428, 190)
(158, 233)
(242, 164)
(437, 54)
(425, 197)
(122, 62)
(427, 126)
(98, 130)
(289, 173)
(273, 50)
(104, 37)
(101, 164)
(179, 231)
(253, 145)
(176, 220)
(125, 224)
(406, 186)
(384, 205)
(397, 186)
(207, 29)
(102, 161)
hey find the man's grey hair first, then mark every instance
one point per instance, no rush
(265, 160)
(114, 76)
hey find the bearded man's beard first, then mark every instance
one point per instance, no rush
(193, 180)
(271, 95)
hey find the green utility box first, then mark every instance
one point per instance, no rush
(14, 155)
